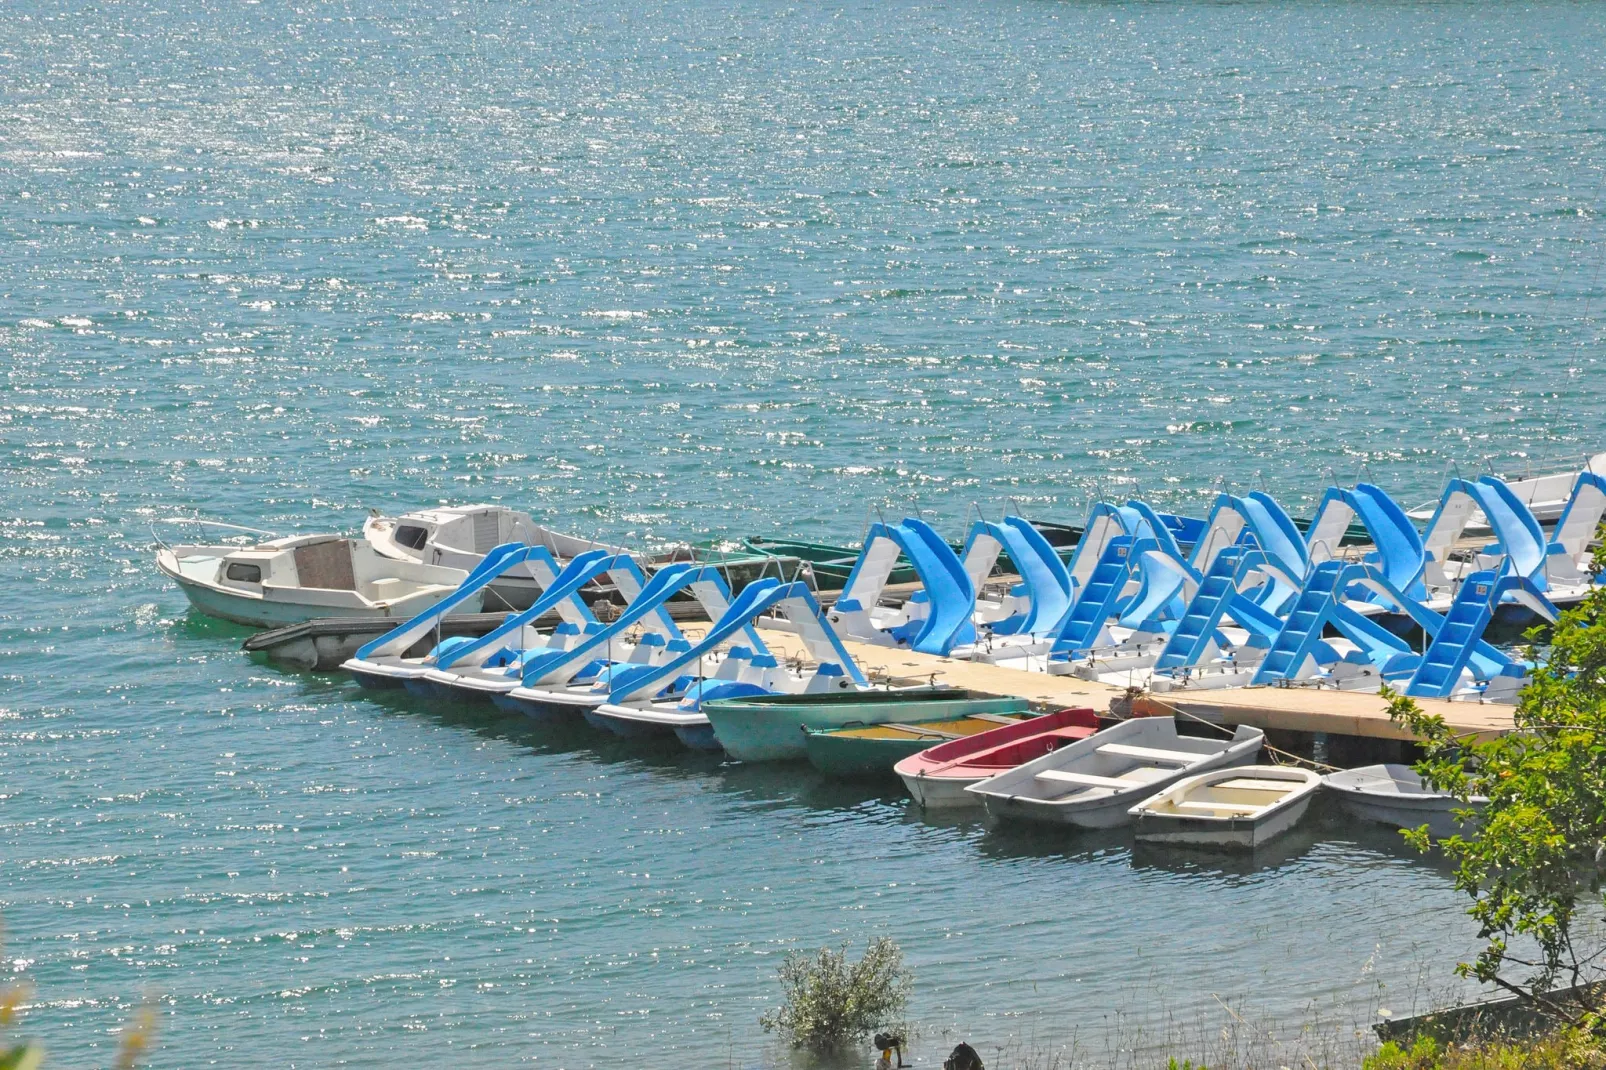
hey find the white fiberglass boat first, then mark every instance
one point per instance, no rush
(1546, 496)
(1095, 782)
(282, 581)
(459, 536)
(1244, 807)
(1394, 795)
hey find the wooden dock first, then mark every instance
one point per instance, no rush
(1287, 709)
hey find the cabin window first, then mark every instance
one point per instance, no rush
(412, 537)
(243, 573)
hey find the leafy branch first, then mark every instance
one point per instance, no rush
(1538, 851)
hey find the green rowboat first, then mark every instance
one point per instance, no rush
(872, 750)
(768, 728)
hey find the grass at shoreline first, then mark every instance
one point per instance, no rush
(1570, 1049)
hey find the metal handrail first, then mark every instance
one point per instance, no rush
(203, 522)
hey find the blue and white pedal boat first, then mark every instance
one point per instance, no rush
(562, 683)
(668, 698)
(493, 664)
(392, 659)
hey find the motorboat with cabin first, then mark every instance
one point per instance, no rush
(461, 535)
(278, 581)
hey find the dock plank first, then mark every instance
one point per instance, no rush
(1299, 709)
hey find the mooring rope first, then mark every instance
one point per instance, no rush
(1288, 759)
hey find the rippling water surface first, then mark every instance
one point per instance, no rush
(665, 270)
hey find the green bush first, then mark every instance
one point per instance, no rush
(1572, 1049)
(831, 1003)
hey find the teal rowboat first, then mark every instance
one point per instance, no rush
(768, 728)
(872, 750)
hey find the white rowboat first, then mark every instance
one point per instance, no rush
(1394, 795)
(1242, 807)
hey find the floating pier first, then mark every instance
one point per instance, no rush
(324, 644)
(1306, 710)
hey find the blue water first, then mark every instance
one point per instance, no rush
(671, 270)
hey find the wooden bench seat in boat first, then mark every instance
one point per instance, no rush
(1151, 754)
(1250, 783)
(935, 733)
(1237, 808)
(1085, 780)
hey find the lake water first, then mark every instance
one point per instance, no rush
(672, 270)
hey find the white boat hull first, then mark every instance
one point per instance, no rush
(384, 674)
(1088, 815)
(1239, 807)
(341, 579)
(1440, 822)
(1393, 795)
(1239, 833)
(470, 683)
(275, 613)
(942, 792)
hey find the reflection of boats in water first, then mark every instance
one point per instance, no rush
(1229, 865)
(1029, 841)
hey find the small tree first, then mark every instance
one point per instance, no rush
(830, 1003)
(1539, 847)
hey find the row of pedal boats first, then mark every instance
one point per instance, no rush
(636, 671)
(1139, 598)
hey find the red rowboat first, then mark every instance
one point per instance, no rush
(937, 776)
